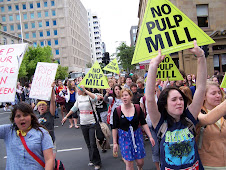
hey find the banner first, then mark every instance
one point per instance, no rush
(112, 67)
(165, 26)
(11, 57)
(95, 78)
(43, 78)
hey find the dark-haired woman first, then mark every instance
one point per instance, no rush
(171, 114)
(38, 140)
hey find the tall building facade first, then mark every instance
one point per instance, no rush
(133, 35)
(95, 36)
(210, 17)
(61, 24)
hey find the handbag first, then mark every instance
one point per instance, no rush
(99, 133)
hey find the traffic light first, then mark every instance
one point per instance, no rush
(206, 50)
(106, 58)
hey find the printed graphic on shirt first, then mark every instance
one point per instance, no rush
(42, 120)
(179, 147)
(194, 167)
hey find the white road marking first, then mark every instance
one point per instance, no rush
(56, 126)
(72, 149)
(5, 157)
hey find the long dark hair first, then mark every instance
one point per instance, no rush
(162, 103)
(116, 85)
(27, 110)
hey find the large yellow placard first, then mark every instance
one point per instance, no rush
(112, 67)
(165, 26)
(223, 83)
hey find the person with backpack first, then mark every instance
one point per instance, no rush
(174, 121)
(127, 133)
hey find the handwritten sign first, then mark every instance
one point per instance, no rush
(44, 76)
(11, 57)
(112, 67)
(165, 26)
(95, 78)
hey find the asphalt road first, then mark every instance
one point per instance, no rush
(72, 150)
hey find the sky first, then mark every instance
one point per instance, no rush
(116, 18)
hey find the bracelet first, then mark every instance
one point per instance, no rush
(200, 56)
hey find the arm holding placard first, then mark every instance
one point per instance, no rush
(52, 107)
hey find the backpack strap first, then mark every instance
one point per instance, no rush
(118, 111)
(200, 138)
(137, 107)
(162, 130)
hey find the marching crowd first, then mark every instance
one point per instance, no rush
(183, 120)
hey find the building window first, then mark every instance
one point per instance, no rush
(202, 15)
(45, 4)
(18, 17)
(53, 13)
(19, 35)
(48, 33)
(4, 40)
(42, 43)
(5, 28)
(47, 23)
(12, 41)
(2, 9)
(38, 5)
(52, 3)
(40, 24)
(17, 7)
(24, 6)
(33, 25)
(1, 0)
(18, 27)
(9, 8)
(56, 42)
(11, 27)
(27, 35)
(54, 22)
(49, 42)
(55, 32)
(41, 34)
(31, 6)
(57, 52)
(3, 18)
(25, 16)
(35, 44)
(34, 35)
(46, 13)
(32, 16)
(25, 26)
(39, 14)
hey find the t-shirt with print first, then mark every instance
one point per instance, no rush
(178, 149)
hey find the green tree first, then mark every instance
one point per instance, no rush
(62, 72)
(89, 65)
(125, 56)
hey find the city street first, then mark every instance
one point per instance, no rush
(72, 150)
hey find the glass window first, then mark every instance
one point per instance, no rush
(46, 13)
(31, 6)
(9, 8)
(54, 22)
(12, 41)
(19, 35)
(27, 35)
(4, 28)
(40, 24)
(57, 52)
(18, 27)
(17, 7)
(52, 3)
(55, 32)
(1, 0)
(53, 13)
(41, 34)
(38, 5)
(39, 14)
(49, 42)
(56, 42)
(3, 18)
(34, 35)
(11, 27)
(35, 44)
(18, 17)
(2, 9)
(48, 33)
(45, 4)
(42, 43)
(47, 23)
(33, 25)
(32, 16)
(10, 18)
(24, 6)
(25, 16)
(202, 15)
(25, 26)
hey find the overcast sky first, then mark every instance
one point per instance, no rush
(116, 18)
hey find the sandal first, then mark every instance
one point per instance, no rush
(70, 126)
(97, 167)
(76, 126)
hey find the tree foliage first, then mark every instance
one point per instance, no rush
(125, 56)
(62, 72)
(89, 65)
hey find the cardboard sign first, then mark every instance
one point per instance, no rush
(44, 76)
(112, 67)
(223, 83)
(95, 78)
(11, 57)
(165, 26)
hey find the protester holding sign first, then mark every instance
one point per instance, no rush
(171, 114)
(25, 127)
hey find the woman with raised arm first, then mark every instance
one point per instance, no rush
(173, 120)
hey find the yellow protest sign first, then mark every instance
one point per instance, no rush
(165, 26)
(112, 67)
(95, 78)
(223, 83)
